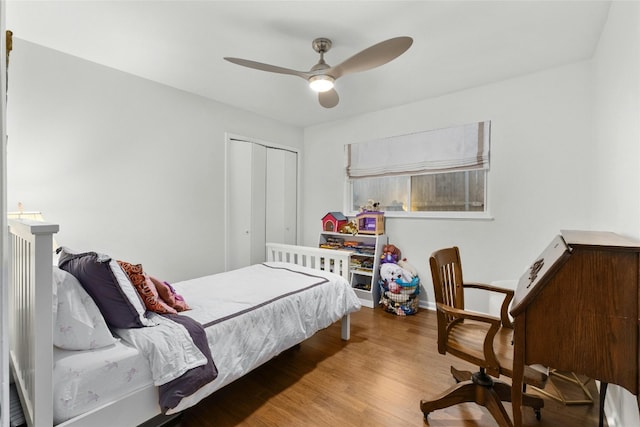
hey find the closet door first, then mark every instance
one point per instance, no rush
(261, 200)
(281, 196)
(246, 169)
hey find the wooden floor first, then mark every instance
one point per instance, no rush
(375, 379)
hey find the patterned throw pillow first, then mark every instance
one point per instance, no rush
(145, 288)
(169, 295)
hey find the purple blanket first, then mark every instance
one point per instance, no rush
(172, 392)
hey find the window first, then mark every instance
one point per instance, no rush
(435, 173)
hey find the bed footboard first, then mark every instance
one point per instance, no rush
(30, 316)
(335, 261)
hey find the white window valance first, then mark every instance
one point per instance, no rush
(463, 147)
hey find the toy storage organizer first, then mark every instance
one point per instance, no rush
(402, 303)
(364, 262)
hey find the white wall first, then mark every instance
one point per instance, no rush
(565, 154)
(541, 140)
(126, 166)
(616, 188)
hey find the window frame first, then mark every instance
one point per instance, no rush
(454, 149)
(470, 215)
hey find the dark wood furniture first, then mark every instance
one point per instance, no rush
(576, 309)
(477, 338)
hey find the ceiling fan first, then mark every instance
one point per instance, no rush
(322, 76)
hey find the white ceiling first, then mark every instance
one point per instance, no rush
(457, 45)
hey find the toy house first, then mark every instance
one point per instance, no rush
(370, 222)
(333, 221)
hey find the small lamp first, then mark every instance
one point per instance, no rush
(29, 215)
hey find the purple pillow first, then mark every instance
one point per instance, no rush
(95, 274)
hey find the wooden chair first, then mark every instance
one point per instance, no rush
(485, 341)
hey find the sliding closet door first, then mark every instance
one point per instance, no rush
(261, 200)
(246, 169)
(281, 200)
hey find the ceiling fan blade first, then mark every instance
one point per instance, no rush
(328, 99)
(267, 67)
(373, 56)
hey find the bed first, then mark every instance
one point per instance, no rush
(113, 383)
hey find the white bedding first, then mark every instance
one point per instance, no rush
(167, 346)
(84, 380)
(266, 325)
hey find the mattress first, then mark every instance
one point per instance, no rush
(250, 315)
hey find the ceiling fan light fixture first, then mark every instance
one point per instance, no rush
(321, 83)
(321, 77)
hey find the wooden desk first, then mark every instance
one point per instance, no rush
(576, 309)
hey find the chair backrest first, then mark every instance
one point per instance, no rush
(446, 274)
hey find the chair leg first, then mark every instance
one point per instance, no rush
(460, 393)
(492, 402)
(460, 375)
(504, 392)
(479, 390)
(534, 402)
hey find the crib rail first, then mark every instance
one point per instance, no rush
(30, 316)
(335, 261)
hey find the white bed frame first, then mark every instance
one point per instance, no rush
(31, 335)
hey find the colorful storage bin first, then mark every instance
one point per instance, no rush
(405, 301)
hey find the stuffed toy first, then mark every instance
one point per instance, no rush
(371, 206)
(390, 254)
(408, 267)
(394, 275)
(350, 227)
(399, 283)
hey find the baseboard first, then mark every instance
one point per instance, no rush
(427, 305)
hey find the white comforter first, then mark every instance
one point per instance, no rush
(250, 315)
(268, 323)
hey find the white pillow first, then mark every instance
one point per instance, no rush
(78, 323)
(109, 286)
